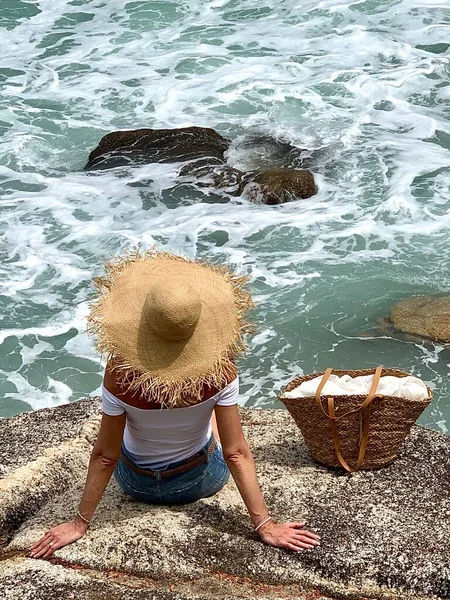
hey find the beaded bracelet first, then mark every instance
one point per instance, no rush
(261, 523)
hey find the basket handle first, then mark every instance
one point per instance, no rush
(331, 414)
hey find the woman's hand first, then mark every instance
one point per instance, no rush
(288, 535)
(58, 537)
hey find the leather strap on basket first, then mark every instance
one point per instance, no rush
(331, 414)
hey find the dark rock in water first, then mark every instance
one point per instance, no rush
(277, 186)
(121, 148)
(267, 152)
(203, 152)
(222, 177)
(274, 186)
(424, 316)
(200, 168)
(225, 177)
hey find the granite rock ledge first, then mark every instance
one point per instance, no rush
(384, 534)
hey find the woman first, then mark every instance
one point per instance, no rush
(172, 329)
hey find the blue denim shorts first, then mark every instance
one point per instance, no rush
(200, 481)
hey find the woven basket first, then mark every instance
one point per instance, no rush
(369, 436)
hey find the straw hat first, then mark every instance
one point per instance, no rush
(171, 325)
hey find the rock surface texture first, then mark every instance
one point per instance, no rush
(203, 151)
(425, 316)
(384, 534)
(277, 186)
(157, 146)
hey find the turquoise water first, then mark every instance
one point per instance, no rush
(364, 86)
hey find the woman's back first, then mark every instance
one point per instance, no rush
(156, 436)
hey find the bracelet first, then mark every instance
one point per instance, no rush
(261, 520)
(261, 523)
(83, 518)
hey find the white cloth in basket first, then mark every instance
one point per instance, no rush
(409, 387)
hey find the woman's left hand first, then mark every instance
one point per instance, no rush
(289, 535)
(57, 538)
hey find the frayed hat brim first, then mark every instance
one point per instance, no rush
(208, 359)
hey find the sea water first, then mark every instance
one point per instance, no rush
(363, 86)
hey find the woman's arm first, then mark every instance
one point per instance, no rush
(104, 457)
(242, 467)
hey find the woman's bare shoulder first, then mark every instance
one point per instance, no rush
(111, 383)
(125, 394)
(109, 378)
(135, 399)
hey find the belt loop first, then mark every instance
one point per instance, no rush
(208, 450)
(158, 475)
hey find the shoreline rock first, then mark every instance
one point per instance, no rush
(423, 316)
(384, 533)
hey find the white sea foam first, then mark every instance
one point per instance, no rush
(363, 87)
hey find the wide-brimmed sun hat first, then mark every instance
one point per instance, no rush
(170, 325)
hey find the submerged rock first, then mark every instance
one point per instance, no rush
(121, 148)
(203, 151)
(205, 173)
(268, 152)
(277, 186)
(384, 533)
(424, 316)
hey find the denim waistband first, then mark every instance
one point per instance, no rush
(173, 468)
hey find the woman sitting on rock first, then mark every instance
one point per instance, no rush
(172, 329)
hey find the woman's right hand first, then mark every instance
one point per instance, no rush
(288, 535)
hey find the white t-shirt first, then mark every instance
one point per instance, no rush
(155, 438)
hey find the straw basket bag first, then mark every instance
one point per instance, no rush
(367, 431)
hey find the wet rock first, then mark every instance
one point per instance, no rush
(277, 186)
(268, 152)
(203, 151)
(424, 316)
(200, 168)
(205, 173)
(274, 186)
(384, 533)
(157, 146)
